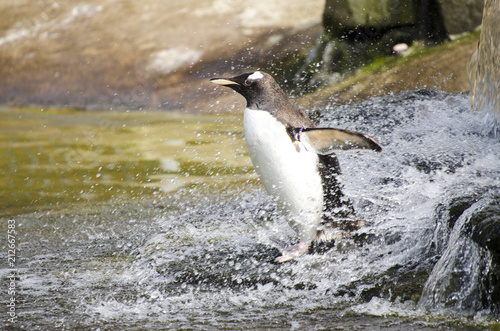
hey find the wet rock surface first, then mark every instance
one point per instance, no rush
(152, 54)
(124, 55)
(437, 68)
(356, 33)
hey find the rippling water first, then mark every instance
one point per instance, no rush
(157, 220)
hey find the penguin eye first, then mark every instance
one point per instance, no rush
(248, 82)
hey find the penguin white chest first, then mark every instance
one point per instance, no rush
(287, 170)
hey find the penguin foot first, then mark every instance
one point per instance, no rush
(293, 252)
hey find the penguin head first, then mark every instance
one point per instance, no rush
(257, 87)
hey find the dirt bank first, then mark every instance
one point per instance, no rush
(113, 54)
(129, 54)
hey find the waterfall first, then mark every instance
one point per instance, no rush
(484, 69)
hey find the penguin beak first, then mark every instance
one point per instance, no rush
(223, 81)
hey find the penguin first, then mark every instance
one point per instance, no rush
(294, 159)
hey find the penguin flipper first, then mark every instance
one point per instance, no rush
(325, 141)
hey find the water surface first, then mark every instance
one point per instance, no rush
(54, 158)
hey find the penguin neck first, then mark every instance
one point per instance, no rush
(282, 109)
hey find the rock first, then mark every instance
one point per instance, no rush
(157, 54)
(461, 15)
(455, 16)
(358, 32)
(467, 275)
(439, 68)
(342, 16)
(150, 54)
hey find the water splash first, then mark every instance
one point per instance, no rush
(455, 281)
(203, 258)
(431, 156)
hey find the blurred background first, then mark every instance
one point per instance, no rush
(123, 54)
